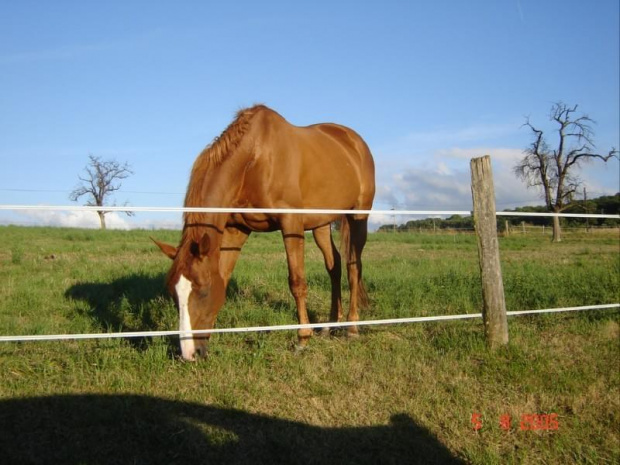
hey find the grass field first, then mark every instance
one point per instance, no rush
(398, 394)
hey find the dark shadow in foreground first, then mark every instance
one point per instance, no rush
(102, 429)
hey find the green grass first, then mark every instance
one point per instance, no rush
(398, 394)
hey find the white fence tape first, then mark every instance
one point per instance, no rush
(421, 319)
(305, 211)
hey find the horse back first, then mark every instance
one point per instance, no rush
(325, 165)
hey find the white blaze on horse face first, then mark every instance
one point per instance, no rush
(183, 289)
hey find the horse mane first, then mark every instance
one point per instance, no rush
(222, 147)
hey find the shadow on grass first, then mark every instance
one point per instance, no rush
(259, 294)
(140, 302)
(136, 302)
(96, 429)
(126, 303)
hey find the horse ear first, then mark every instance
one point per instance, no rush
(169, 250)
(201, 249)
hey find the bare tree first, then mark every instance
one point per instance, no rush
(554, 169)
(102, 178)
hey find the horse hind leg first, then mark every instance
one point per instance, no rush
(355, 233)
(293, 234)
(333, 265)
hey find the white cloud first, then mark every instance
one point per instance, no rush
(385, 195)
(443, 181)
(75, 219)
(430, 170)
(434, 188)
(601, 178)
(377, 220)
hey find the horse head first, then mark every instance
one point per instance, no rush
(198, 291)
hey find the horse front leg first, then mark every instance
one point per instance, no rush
(232, 243)
(293, 234)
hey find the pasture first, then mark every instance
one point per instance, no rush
(397, 394)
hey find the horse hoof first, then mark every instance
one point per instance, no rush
(353, 336)
(325, 332)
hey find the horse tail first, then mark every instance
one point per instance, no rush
(348, 254)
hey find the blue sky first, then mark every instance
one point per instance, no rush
(428, 84)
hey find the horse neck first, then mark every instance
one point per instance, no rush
(219, 188)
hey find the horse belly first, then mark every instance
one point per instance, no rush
(257, 222)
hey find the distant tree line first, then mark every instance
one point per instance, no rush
(605, 205)
(430, 224)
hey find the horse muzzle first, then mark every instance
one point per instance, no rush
(193, 348)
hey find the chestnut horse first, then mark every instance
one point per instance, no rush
(262, 161)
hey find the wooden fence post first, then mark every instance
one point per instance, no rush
(494, 305)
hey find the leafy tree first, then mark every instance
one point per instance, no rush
(102, 178)
(553, 168)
